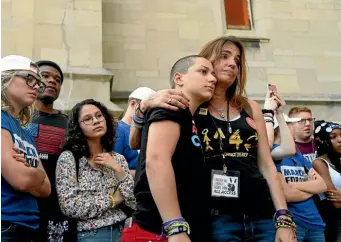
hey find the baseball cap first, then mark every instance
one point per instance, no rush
(18, 62)
(287, 119)
(141, 93)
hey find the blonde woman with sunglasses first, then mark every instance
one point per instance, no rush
(23, 177)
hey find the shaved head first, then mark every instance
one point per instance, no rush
(182, 66)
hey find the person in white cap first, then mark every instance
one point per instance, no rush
(23, 176)
(123, 128)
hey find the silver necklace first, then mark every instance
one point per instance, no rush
(220, 111)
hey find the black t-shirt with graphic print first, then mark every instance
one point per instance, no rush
(240, 152)
(48, 131)
(192, 184)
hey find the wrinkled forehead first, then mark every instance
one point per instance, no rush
(231, 47)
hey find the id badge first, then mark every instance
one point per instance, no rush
(225, 184)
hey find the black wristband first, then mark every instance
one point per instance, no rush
(270, 121)
(138, 109)
(268, 111)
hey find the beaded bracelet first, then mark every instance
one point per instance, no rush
(285, 222)
(175, 226)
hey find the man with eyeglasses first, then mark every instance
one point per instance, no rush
(302, 131)
(48, 130)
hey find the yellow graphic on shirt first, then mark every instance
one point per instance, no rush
(248, 146)
(235, 139)
(206, 140)
(253, 136)
(219, 133)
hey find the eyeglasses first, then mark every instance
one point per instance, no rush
(89, 120)
(32, 81)
(304, 120)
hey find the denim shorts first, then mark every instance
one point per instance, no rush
(106, 234)
(311, 235)
(11, 232)
(228, 228)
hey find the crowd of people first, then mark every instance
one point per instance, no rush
(197, 162)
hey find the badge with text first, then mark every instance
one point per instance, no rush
(225, 184)
(203, 111)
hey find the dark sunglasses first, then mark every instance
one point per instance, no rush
(31, 81)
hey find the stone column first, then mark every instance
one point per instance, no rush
(68, 32)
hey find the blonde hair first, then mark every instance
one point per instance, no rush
(25, 115)
(212, 51)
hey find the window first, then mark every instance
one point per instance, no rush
(238, 14)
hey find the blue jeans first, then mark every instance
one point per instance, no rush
(15, 233)
(227, 228)
(309, 235)
(106, 234)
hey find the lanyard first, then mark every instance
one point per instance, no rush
(229, 131)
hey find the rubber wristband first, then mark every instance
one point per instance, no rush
(268, 111)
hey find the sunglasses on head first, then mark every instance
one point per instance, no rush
(32, 81)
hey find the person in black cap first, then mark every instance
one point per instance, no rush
(48, 129)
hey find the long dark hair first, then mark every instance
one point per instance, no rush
(324, 144)
(75, 140)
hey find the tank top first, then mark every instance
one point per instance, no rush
(239, 153)
(335, 177)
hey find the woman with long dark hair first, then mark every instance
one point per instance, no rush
(236, 150)
(328, 165)
(91, 179)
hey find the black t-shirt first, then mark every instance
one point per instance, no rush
(240, 151)
(189, 169)
(48, 131)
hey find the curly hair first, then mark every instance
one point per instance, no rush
(75, 140)
(323, 141)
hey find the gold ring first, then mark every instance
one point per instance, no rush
(169, 101)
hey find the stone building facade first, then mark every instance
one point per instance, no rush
(109, 47)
